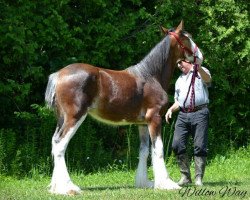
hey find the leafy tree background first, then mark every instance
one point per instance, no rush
(40, 37)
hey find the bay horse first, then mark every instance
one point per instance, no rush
(136, 95)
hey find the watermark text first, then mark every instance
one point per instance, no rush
(225, 191)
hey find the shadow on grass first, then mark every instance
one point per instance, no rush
(206, 184)
(222, 183)
(100, 188)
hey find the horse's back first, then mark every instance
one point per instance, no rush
(108, 95)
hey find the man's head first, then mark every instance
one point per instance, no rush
(184, 65)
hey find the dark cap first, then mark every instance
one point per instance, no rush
(179, 60)
(182, 59)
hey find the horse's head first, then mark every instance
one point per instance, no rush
(183, 45)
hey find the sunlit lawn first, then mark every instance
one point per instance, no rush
(226, 178)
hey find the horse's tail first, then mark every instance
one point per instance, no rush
(51, 90)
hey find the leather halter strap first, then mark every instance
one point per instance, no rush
(181, 44)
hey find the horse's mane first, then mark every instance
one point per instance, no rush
(154, 62)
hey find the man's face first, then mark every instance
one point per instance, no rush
(184, 66)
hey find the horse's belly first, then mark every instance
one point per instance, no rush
(116, 119)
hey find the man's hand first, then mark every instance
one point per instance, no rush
(168, 115)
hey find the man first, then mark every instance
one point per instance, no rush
(191, 98)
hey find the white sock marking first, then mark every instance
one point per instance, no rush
(61, 182)
(162, 180)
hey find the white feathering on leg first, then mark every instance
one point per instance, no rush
(141, 179)
(162, 179)
(141, 174)
(61, 182)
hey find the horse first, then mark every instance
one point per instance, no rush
(136, 95)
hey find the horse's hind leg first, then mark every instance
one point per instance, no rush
(59, 129)
(141, 179)
(61, 182)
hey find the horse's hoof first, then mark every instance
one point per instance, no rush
(73, 192)
(167, 184)
(66, 189)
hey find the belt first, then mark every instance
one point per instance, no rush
(187, 110)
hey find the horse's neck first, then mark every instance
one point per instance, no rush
(167, 73)
(164, 73)
(156, 64)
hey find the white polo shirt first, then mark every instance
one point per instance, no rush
(201, 89)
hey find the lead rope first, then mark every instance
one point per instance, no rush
(192, 85)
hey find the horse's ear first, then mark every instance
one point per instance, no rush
(164, 30)
(180, 27)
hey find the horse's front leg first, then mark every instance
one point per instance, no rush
(161, 176)
(141, 179)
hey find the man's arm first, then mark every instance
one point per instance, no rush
(172, 109)
(206, 77)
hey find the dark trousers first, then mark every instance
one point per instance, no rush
(194, 124)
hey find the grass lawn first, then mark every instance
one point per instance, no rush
(227, 177)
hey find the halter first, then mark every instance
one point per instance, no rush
(195, 73)
(184, 48)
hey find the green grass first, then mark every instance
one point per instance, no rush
(224, 174)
